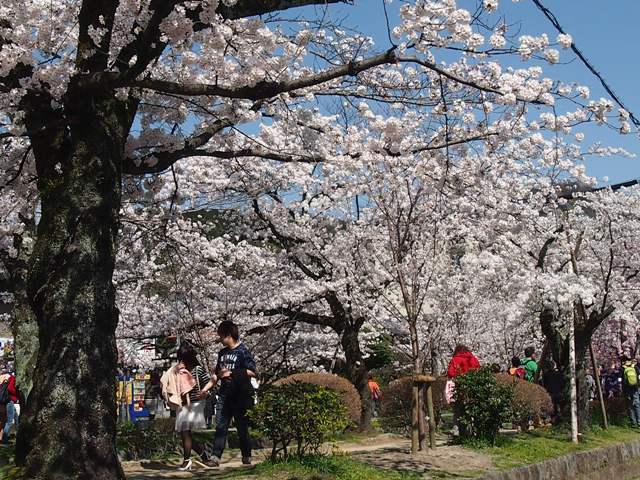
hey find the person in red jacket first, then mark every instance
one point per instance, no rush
(12, 408)
(463, 361)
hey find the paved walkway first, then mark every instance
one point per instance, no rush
(385, 451)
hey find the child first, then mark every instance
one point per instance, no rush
(235, 368)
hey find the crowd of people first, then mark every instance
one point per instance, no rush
(187, 387)
(619, 380)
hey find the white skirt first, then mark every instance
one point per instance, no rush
(191, 417)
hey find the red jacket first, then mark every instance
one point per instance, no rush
(13, 391)
(11, 388)
(461, 363)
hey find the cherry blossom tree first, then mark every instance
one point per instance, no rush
(115, 107)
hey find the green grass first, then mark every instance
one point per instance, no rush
(351, 436)
(339, 467)
(542, 444)
(8, 471)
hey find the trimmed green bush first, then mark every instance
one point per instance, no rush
(300, 415)
(348, 394)
(481, 405)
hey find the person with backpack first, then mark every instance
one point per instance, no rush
(4, 401)
(10, 397)
(529, 364)
(516, 370)
(190, 416)
(630, 388)
(235, 369)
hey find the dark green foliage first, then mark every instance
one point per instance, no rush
(382, 354)
(150, 440)
(298, 414)
(482, 404)
(617, 412)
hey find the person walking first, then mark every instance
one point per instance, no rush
(529, 364)
(516, 370)
(376, 394)
(553, 381)
(611, 381)
(235, 369)
(461, 362)
(12, 408)
(630, 388)
(190, 417)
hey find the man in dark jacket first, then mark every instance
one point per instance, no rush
(234, 369)
(553, 382)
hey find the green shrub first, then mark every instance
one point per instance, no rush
(148, 440)
(482, 404)
(301, 414)
(348, 394)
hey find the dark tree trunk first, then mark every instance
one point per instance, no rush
(558, 343)
(25, 333)
(24, 327)
(357, 372)
(69, 424)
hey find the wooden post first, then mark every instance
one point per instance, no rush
(596, 376)
(415, 405)
(432, 419)
(419, 383)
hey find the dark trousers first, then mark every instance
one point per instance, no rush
(226, 408)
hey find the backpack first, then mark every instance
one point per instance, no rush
(4, 393)
(520, 373)
(630, 375)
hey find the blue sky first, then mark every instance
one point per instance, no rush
(605, 31)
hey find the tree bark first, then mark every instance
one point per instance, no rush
(24, 327)
(418, 434)
(357, 372)
(69, 425)
(558, 341)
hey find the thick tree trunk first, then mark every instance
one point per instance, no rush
(69, 426)
(558, 343)
(419, 433)
(25, 333)
(357, 371)
(24, 327)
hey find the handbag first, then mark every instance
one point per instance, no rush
(449, 388)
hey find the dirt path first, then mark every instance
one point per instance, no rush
(384, 451)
